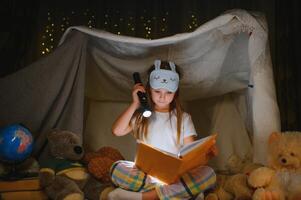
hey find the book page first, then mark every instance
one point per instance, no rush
(167, 166)
(196, 154)
(188, 147)
(160, 150)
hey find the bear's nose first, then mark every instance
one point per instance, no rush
(78, 149)
(283, 160)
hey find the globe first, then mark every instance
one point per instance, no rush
(16, 143)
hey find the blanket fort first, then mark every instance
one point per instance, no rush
(227, 84)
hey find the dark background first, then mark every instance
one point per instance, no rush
(31, 29)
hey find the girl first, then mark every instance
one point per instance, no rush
(168, 128)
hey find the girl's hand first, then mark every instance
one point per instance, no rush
(213, 151)
(137, 87)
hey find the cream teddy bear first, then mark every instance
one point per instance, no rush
(281, 179)
(233, 184)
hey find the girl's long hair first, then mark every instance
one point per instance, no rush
(140, 128)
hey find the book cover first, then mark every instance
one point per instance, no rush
(20, 185)
(27, 189)
(24, 195)
(168, 167)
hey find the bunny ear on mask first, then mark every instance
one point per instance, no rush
(157, 64)
(164, 79)
(172, 66)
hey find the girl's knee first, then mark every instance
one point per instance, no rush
(203, 177)
(122, 165)
(203, 171)
(126, 175)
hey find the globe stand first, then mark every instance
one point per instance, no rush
(13, 174)
(15, 148)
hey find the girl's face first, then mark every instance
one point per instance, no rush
(161, 98)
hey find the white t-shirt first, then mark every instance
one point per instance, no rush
(162, 131)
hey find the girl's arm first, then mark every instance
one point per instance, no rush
(122, 124)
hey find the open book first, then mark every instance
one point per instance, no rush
(169, 167)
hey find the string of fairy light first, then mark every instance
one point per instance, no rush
(125, 25)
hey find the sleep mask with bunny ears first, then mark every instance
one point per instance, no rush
(164, 79)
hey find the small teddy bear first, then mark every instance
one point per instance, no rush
(233, 184)
(62, 176)
(231, 187)
(100, 162)
(237, 165)
(281, 179)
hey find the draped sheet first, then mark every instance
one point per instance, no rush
(227, 84)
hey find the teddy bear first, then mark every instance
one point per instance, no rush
(62, 176)
(65, 176)
(281, 178)
(100, 162)
(236, 165)
(233, 184)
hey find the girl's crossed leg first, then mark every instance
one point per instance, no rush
(138, 185)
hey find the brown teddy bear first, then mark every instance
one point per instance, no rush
(100, 162)
(63, 176)
(281, 179)
(233, 183)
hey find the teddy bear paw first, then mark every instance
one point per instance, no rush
(259, 194)
(104, 194)
(260, 177)
(262, 194)
(211, 196)
(74, 196)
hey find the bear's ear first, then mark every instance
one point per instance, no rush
(274, 137)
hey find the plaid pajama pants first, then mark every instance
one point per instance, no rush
(126, 175)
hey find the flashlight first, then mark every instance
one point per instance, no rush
(144, 108)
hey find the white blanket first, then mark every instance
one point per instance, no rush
(227, 83)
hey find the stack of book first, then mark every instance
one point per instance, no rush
(25, 189)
